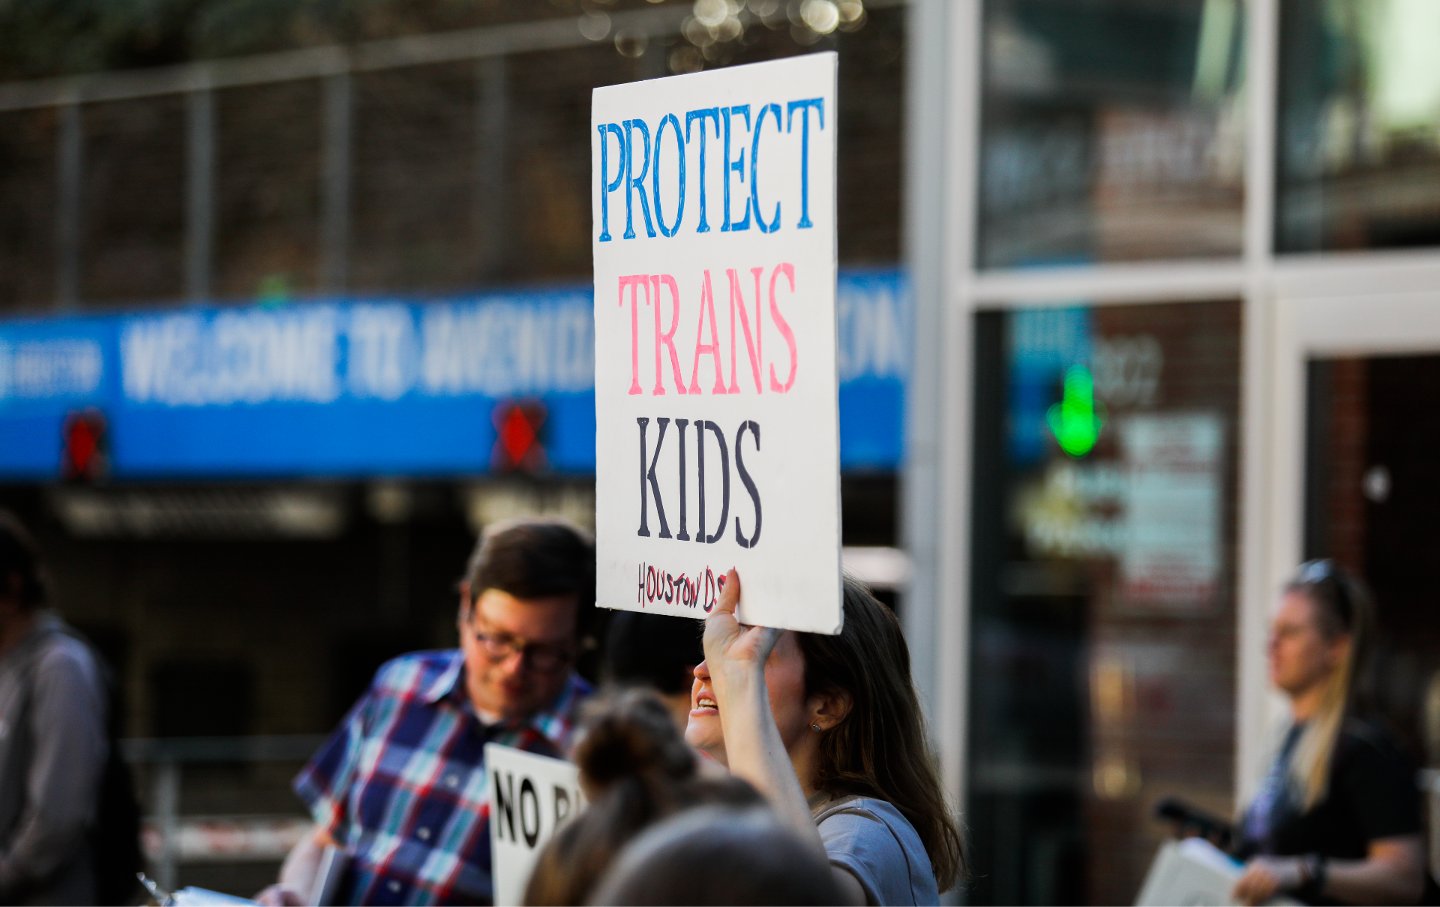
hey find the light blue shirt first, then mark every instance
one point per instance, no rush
(872, 841)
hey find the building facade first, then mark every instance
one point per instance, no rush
(1175, 275)
(1138, 311)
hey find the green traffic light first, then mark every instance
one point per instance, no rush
(1076, 420)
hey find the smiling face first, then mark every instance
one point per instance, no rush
(785, 682)
(1301, 659)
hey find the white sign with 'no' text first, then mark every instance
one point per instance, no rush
(717, 429)
(530, 797)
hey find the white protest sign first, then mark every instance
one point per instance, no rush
(530, 796)
(717, 426)
(1193, 871)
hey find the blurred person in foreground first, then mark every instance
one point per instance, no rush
(635, 769)
(830, 729)
(743, 855)
(654, 652)
(400, 786)
(1337, 816)
(53, 742)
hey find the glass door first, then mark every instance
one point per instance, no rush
(1354, 474)
(1372, 485)
(1103, 589)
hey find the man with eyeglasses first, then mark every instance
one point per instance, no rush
(399, 789)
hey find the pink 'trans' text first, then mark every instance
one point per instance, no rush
(661, 294)
(699, 591)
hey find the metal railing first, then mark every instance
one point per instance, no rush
(173, 836)
(335, 68)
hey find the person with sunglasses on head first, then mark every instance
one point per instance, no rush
(399, 788)
(1336, 818)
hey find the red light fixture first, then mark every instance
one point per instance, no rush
(519, 442)
(84, 455)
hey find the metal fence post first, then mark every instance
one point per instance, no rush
(70, 150)
(338, 140)
(166, 810)
(199, 191)
(490, 197)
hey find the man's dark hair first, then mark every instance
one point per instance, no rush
(653, 650)
(533, 558)
(21, 573)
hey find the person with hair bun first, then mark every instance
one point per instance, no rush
(748, 855)
(635, 769)
(1336, 818)
(830, 729)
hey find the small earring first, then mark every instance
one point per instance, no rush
(815, 726)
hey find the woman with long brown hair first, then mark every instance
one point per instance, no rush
(830, 729)
(1336, 819)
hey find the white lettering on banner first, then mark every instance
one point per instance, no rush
(382, 351)
(37, 369)
(251, 356)
(148, 350)
(507, 348)
(497, 347)
(261, 357)
(872, 340)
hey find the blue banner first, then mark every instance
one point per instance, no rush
(374, 387)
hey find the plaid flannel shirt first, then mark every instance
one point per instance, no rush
(400, 785)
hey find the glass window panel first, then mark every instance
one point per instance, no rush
(1111, 130)
(1358, 163)
(1103, 661)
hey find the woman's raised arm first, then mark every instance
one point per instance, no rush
(736, 656)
